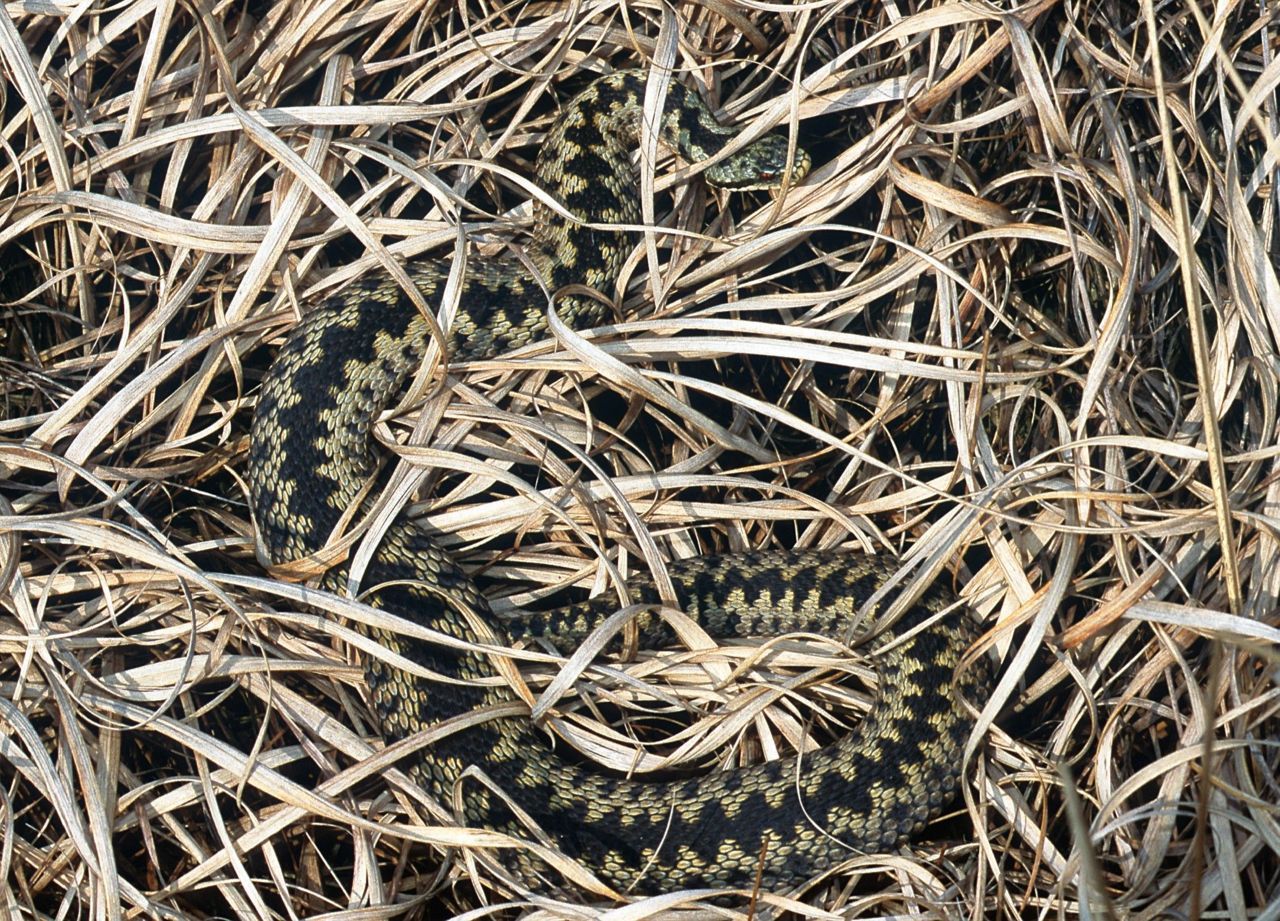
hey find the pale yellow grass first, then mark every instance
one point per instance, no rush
(1018, 328)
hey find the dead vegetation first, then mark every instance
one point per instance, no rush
(1018, 327)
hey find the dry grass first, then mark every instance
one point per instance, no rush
(985, 335)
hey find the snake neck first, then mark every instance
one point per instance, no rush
(586, 164)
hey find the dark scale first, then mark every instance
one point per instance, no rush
(308, 464)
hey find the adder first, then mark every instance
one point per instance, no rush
(311, 460)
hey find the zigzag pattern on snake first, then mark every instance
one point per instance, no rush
(311, 462)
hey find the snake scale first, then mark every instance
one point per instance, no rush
(311, 462)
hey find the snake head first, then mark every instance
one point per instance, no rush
(761, 165)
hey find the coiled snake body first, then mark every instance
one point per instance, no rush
(311, 461)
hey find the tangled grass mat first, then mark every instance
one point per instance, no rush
(1018, 328)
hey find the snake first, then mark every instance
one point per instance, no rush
(312, 462)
